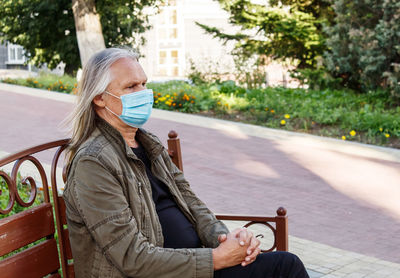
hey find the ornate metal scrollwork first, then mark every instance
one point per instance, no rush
(272, 228)
(11, 192)
(12, 180)
(12, 183)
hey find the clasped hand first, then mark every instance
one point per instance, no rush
(237, 247)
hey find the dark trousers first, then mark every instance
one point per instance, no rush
(267, 265)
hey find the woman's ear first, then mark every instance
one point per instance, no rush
(99, 101)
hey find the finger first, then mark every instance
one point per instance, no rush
(253, 255)
(222, 238)
(243, 238)
(236, 232)
(254, 243)
(249, 259)
(244, 263)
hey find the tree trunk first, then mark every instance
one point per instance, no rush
(88, 28)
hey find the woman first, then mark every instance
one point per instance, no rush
(130, 211)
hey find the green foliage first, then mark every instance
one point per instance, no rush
(317, 79)
(51, 82)
(333, 113)
(277, 32)
(364, 44)
(326, 112)
(46, 29)
(24, 191)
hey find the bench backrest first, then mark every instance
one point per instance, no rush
(27, 223)
(27, 244)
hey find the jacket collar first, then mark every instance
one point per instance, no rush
(149, 142)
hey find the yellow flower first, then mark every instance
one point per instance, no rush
(387, 135)
(266, 108)
(353, 133)
(167, 96)
(343, 137)
(156, 101)
(380, 129)
(175, 94)
(35, 82)
(168, 103)
(162, 99)
(218, 103)
(283, 122)
(272, 111)
(193, 97)
(287, 116)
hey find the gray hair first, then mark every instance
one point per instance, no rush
(95, 78)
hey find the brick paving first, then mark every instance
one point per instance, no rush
(338, 194)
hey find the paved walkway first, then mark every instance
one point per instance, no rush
(343, 198)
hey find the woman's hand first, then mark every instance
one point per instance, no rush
(246, 238)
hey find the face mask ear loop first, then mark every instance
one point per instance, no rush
(111, 111)
(112, 94)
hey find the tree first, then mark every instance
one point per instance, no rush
(280, 32)
(46, 28)
(88, 28)
(364, 44)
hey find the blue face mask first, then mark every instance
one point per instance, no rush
(136, 107)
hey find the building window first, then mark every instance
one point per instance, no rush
(163, 57)
(168, 62)
(174, 57)
(173, 17)
(15, 54)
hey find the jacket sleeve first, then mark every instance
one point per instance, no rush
(208, 226)
(101, 202)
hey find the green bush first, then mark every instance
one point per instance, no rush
(24, 191)
(370, 117)
(50, 82)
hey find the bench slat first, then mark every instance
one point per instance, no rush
(37, 261)
(25, 227)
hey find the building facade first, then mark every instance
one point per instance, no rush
(12, 57)
(174, 41)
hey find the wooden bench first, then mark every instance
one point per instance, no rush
(36, 223)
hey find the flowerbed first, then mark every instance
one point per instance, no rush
(342, 114)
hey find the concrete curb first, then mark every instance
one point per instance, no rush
(240, 130)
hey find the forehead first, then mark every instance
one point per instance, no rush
(127, 70)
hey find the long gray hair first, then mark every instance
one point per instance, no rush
(95, 78)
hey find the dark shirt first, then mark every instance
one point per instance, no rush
(177, 230)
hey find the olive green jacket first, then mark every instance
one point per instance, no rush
(112, 220)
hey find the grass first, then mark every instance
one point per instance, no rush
(51, 82)
(342, 114)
